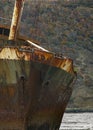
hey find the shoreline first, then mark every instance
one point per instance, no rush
(78, 110)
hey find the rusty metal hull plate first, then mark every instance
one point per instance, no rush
(32, 95)
(35, 85)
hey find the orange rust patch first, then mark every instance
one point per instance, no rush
(37, 56)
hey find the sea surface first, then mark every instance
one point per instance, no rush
(77, 121)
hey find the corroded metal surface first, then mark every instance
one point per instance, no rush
(35, 86)
(16, 19)
(32, 93)
(24, 53)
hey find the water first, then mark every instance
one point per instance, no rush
(77, 121)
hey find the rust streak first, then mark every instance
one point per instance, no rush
(38, 56)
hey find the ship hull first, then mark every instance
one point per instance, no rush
(35, 85)
(33, 95)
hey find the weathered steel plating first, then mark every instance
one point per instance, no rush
(36, 55)
(35, 86)
(16, 19)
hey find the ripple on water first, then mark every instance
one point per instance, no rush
(77, 121)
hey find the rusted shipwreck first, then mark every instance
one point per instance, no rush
(35, 84)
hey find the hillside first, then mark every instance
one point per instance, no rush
(64, 27)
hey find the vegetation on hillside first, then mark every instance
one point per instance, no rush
(55, 22)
